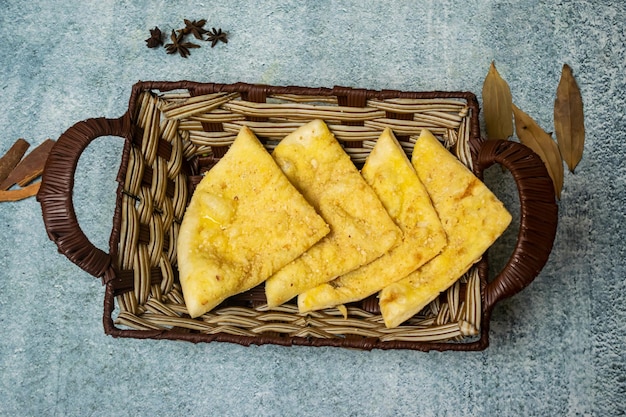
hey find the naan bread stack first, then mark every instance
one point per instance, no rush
(308, 224)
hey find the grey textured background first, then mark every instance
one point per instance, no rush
(557, 348)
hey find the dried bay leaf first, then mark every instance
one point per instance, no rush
(569, 125)
(497, 105)
(537, 139)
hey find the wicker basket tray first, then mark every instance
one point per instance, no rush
(175, 131)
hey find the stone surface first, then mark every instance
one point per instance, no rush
(557, 348)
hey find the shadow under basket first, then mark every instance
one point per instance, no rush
(175, 131)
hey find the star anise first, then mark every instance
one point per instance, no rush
(179, 46)
(215, 36)
(155, 38)
(195, 27)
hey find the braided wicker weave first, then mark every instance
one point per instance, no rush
(174, 132)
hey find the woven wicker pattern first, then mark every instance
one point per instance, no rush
(176, 128)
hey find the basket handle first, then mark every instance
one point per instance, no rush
(55, 193)
(538, 216)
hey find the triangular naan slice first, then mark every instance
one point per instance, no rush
(472, 217)
(244, 222)
(390, 174)
(360, 227)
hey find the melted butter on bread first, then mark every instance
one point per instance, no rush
(361, 230)
(244, 222)
(472, 217)
(392, 177)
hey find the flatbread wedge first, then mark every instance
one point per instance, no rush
(244, 222)
(361, 230)
(394, 180)
(472, 217)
